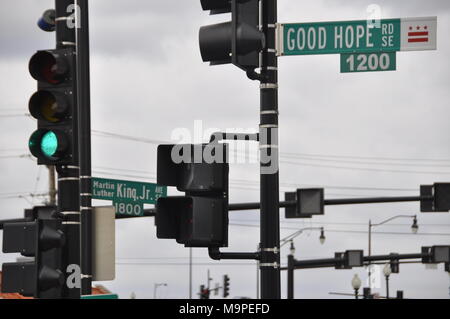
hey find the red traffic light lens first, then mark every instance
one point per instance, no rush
(48, 67)
(48, 106)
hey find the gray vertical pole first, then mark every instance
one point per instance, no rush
(290, 277)
(387, 287)
(51, 185)
(68, 175)
(84, 142)
(190, 272)
(270, 223)
(370, 251)
(257, 273)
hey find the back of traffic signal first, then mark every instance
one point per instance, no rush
(40, 236)
(238, 41)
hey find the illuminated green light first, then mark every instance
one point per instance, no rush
(49, 144)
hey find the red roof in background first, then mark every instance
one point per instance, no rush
(97, 290)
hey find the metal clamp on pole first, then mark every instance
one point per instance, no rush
(215, 254)
(274, 265)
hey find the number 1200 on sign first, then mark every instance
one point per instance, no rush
(368, 62)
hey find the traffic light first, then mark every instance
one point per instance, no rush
(394, 263)
(349, 259)
(42, 239)
(199, 219)
(309, 202)
(204, 292)
(226, 286)
(436, 254)
(239, 41)
(435, 198)
(54, 106)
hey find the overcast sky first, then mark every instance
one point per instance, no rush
(148, 79)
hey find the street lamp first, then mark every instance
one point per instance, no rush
(356, 284)
(292, 248)
(414, 229)
(156, 287)
(290, 237)
(387, 272)
(322, 236)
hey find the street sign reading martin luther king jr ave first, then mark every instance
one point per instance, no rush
(128, 197)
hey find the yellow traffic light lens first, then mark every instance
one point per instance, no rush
(48, 106)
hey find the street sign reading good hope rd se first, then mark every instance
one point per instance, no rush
(362, 36)
(128, 197)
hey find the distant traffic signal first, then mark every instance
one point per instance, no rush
(199, 219)
(308, 202)
(394, 263)
(204, 292)
(435, 198)
(54, 106)
(226, 286)
(239, 41)
(42, 239)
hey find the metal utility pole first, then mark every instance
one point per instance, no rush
(190, 272)
(84, 143)
(51, 185)
(68, 175)
(270, 223)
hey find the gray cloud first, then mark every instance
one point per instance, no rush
(147, 79)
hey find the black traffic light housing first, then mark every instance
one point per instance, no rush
(239, 41)
(394, 263)
(349, 259)
(309, 202)
(436, 254)
(42, 239)
(54, 106)
(204, 292)
(226, 286)
(199, 219)
(435, 198)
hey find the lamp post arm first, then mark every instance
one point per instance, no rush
(392, 218)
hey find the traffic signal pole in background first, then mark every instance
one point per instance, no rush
(84, 128)
(270, 216)
(68, 174)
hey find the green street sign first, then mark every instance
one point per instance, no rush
(368, 62)
(128, 197)
(361, 36)
(130, 208)
(110, 296)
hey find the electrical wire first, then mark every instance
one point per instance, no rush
(352, 231)
(151, 141)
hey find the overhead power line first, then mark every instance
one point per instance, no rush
(353, 231)
(107, 170)
(151, 141)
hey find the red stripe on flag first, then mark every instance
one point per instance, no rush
(418, 40)
(412, 34)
